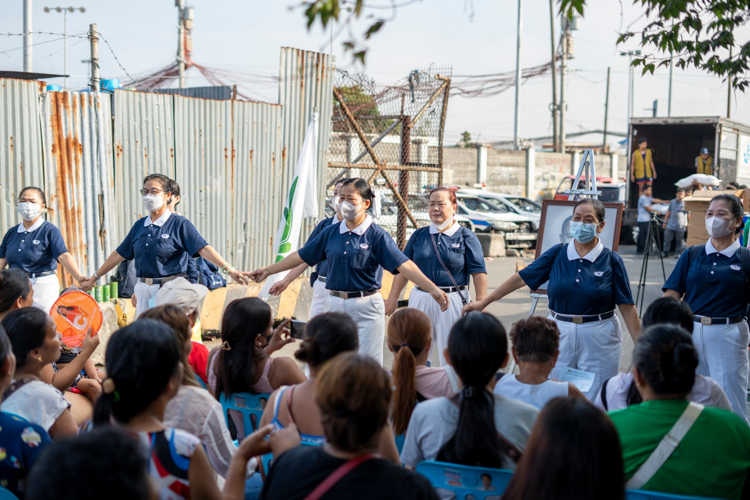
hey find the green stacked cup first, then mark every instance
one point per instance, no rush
(98, 293)
(105, 293)
(114, 290)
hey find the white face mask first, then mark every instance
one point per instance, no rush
(349, 211)
(443, 225)
(29, 211)
(336, 203)
(152, 202)
(718, 228)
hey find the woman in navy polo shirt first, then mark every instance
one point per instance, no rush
(36, 246)
(317, 304)
(161, 245)
(357, 248)
(711, 279)
(461, 253)
(586, 282)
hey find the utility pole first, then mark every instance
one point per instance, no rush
(94, 39)
(181, 42)
(65, 11)
(27, 36)
(516, 140)
(729, 88)
(606, 112)
(630, 55)
(671, 73)
(553, 107)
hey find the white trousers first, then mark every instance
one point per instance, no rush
(318, 303)
(592, 347)
(369, 315)
(722, 354)
(143, 294)
(46, 291)
(442, 321)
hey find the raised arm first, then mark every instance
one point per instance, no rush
(213, 257)
(289, 262)
(630, 315)
(66, 260)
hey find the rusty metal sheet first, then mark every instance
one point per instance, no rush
(143, 144)
(305, 84)
(256, 195)
(21, 160)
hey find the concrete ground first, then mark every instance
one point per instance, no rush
(518, 304)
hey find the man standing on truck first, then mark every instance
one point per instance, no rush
(644, 217)
(642, 169)
(677, 221)
(704, 163)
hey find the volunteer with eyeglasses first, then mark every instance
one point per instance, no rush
(448, 254)
(161, 244)
(36, 246)
(318, 278)
(586, 282)
(711, 278)
(356, 249)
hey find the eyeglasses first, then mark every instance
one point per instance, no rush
(153, 191)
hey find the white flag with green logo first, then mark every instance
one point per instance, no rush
(301, 202)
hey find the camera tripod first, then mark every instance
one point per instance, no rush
(653, 238)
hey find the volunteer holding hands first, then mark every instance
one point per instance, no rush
(448, 254)
(36, 246)
(586, 281)
(161, 245)
(356, 249)
(711, 278)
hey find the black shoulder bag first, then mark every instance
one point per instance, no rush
(445, 268)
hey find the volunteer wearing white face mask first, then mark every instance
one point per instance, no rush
(36, 246)
(318, 278)
(586, 282)
(711, 278)
(161, 244)
(462, 257)
(356, 249)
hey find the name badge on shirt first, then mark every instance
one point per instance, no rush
(364, 246)
(36, 242)
(598, 274)
(456, 245)
(581, 379)
(165, 236)
(735, 267)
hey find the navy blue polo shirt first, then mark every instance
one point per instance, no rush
(714, 285)
(459, 248)
(34, 251)
(322, 267)
(578, 286)
(355, 255)
(161, 248)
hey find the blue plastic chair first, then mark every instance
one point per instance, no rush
(201, 382)
(400, 443)
(7, 494)
(249, 405)
(466, 482)
(653, 495)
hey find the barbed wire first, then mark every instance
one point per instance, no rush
(46, 33)
(113, 54)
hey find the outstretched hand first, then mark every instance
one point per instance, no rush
(441, 298)
(238, 276)
(259, 275)
(278, 288)
(473, 306)
(87, 283)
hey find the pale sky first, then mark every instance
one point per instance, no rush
(243, 38)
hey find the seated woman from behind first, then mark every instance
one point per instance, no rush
(535, 346)
(713, 458)
(353, 393)
(20, 440)
(36, 344)
(144, 372)
(409, 339)
(327, 335)
(193, 409)
(620, 391)
(573, 453)
(475, 427)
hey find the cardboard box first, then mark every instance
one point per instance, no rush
(700, 199)
(697, 231)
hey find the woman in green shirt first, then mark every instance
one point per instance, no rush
(713, 458)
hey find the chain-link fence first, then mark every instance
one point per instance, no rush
(393, 137)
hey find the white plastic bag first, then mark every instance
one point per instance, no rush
(704, 179)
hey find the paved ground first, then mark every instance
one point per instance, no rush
(518, 304)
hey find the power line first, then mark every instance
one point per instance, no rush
(99, 34)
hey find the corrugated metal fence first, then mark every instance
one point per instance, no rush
(234, 160)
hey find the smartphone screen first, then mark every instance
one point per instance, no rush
(297, 329)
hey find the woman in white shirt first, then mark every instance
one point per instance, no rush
(535, 347)
(620, 392)
(36, 344)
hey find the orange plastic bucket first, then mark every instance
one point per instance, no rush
(74, 313)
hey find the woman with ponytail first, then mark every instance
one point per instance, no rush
(712, 458)
(410, 339)
(474, 427)
(144, 373)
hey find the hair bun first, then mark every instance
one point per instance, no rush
(307, 352)
(685, 358)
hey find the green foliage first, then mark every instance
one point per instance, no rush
(465, 141)
(699, 33)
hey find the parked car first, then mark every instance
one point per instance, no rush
(519, 230)
(513, 203)
(418, 204)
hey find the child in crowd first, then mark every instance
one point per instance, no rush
(353, 393)
(676, 225)
(573, 453)
(409, 339)
(535, 347)
(474, 427)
